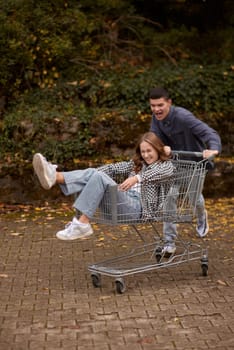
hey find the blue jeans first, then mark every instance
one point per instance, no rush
(91, 185)
(169, 228)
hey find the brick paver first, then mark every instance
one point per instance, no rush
(47, 300)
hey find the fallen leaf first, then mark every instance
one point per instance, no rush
(104, 297)
(222, 283)
(16, 234)
(145, 340)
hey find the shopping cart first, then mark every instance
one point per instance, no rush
(175, 201)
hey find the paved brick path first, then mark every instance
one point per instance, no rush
(47, 300)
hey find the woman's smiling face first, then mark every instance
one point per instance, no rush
(148, 153)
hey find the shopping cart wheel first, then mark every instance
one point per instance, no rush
(158, 254)
(96, 279)
(204, 265)
(120, 285)
(204, 270)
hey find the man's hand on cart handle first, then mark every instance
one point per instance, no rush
(209, 153)
(206, 154)
(167, 150)
(128, 183)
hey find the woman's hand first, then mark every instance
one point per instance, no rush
(128, 183)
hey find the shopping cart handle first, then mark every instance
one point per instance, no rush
(187, 153)
(191, 154)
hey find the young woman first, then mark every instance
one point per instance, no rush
(135, 196)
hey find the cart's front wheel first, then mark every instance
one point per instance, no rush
(158, 254)
(96, 279)
(120, 285)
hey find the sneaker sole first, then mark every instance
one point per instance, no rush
(40, 171)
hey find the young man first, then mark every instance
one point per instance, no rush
(179, 129)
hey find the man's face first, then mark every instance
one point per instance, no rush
(160, 107)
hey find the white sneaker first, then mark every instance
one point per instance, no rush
(74, 231)
(45, 171)
(203, 226)
(169, 249)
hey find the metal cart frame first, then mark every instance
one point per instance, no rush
(177, 200)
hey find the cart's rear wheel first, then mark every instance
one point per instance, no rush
(96, 280)
(120, 285)
(204, 269)
(204, 265)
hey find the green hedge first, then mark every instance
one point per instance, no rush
(42, 41)
(96, 114)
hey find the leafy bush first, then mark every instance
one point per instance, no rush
(104, 114)
(42, 41)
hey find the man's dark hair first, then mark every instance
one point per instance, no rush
(158, 92)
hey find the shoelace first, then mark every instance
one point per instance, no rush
(50, 164)
(68, 227)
